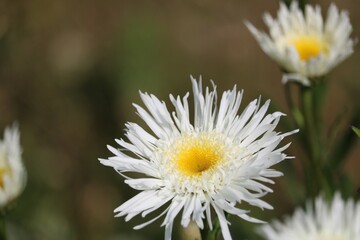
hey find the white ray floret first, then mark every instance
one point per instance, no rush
(216, 161)
(12, 170)
(321, 220)
(304, 44)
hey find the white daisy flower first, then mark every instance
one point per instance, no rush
(338, 220)
(218, 161)
(12, 170)
(304, 44)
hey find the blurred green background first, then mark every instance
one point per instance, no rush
(69, 71)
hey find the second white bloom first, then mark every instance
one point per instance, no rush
(320, 220)
(12, 170)
(304, 44)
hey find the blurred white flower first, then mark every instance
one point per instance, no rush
(338, 220)
(12, 171)
(303, 44)
(218, 161)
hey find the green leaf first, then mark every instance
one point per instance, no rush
(356, 130)
(344, 145)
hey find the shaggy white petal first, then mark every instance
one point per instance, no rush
(12, 171)
(321, 220)
(304, 44)
(216, 161)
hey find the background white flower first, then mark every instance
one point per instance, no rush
(218, 161)
(12, 170)
(338, 220)
(304, 44)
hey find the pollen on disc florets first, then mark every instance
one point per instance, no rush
(195, 162)
(307, 45)
(4, 167)
(196, 155)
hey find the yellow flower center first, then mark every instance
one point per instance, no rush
(4, 168)
(309, 46)
(3, 171)
(197, 154)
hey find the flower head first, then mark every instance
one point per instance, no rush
(338, 220)
(303, 44)
(12, 171)
(217, 161)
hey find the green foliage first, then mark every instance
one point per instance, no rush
(356, 130)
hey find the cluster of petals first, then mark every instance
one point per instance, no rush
(335, 220)
(248, 148)
(305, 45)
(12, 170)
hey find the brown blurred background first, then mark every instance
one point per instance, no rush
(69, 71)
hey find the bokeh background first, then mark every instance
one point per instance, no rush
(70, 70)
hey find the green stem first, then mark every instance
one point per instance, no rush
(294, 110)
(312, 143)
(207, 234)
(311, 107)
(2, 227)
(306, 114)
(311, 132)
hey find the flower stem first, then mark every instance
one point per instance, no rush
(311, 133)
(311, 99)
(2, 227)
(306, 114)
(207, 234)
